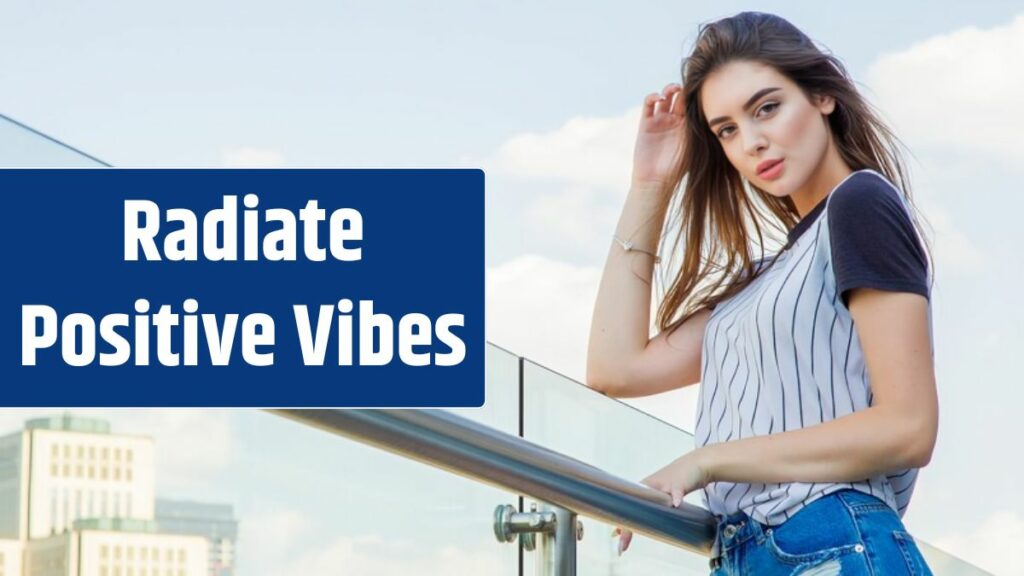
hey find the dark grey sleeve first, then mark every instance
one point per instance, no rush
(874, 244)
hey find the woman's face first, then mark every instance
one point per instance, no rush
(759, 115)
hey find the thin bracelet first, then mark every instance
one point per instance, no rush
(628, 246)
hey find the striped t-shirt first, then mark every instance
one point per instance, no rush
(784, 354)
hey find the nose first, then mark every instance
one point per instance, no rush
(753, 141)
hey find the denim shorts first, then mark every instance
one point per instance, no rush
(843, 533)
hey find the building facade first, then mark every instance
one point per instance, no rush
(77, 500)
(215, 522)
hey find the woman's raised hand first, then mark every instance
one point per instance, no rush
(661, 139)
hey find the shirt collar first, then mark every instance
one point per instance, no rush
(806, 221)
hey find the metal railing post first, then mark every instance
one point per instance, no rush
(557, 552)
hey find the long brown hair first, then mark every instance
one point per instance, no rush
(715, 205)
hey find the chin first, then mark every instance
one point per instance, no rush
(776, 188)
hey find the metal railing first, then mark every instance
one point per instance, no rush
(479, 452)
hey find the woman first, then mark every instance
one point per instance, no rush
(817, 404)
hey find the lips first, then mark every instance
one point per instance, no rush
(767, 165)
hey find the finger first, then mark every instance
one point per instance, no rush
(677, 496)
(667, 93)
(649, 102)
(663, 103)
(679, 104)
(627, 537)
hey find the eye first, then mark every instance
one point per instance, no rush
(768, 108)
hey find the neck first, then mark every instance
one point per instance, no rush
(829, 174)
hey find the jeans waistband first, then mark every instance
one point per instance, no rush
(735, 529)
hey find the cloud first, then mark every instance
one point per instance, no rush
(251, 158)
(993, 546)
(541, 308)
(959, 90)
(587, 151)
(954, 251)
(269, 539)
(577, 217)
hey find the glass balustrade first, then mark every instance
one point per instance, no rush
(570, 418)
(23, 147)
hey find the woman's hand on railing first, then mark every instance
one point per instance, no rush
(688, 473)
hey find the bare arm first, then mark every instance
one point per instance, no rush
(622, 359)
(898, 431)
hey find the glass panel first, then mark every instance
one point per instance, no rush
(943, 564)
(372, 512)
(570, 418)
(23, 147)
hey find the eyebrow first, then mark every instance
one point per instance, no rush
(746, 105)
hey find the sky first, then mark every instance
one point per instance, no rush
(545, 97)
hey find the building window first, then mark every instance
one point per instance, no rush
(128, 474)
(53, 508)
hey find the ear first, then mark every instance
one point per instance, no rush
(825, 103)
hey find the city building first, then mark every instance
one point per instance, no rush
(116, 547)
(61, 469)
(10, 557)
(215, 522)
(78, 500)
